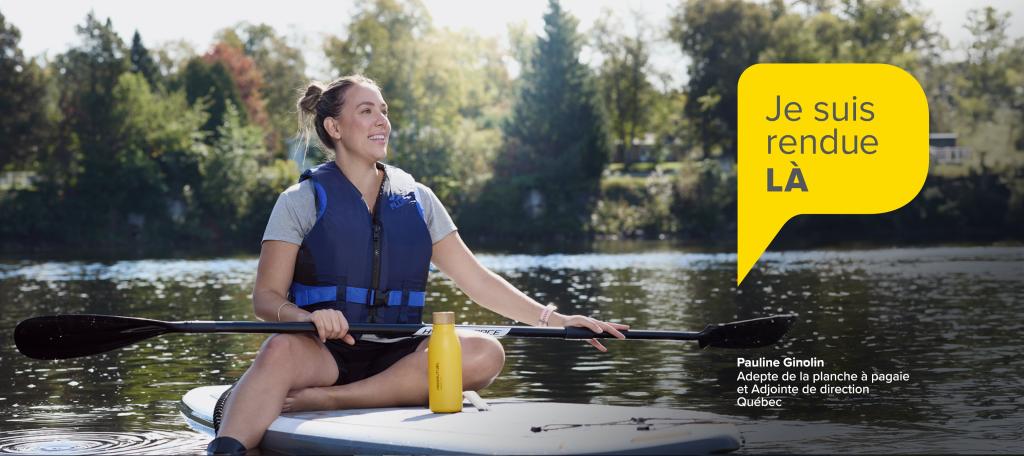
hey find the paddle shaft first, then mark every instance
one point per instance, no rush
(71, 336)
(397, 330)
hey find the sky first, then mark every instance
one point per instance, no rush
(48, 26)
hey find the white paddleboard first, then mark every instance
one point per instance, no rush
(510, 426)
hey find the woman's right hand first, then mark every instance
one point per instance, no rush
(331, 324)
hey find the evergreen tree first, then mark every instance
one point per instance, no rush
(556, 146)
(23, 120)
(87, 76)
(143, 63)
(211, 84)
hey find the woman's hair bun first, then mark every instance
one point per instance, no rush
(312, 96)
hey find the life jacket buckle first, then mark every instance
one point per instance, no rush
(375, 298)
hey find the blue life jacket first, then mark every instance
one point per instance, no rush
(372, 268)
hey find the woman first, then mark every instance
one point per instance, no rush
(352, 242)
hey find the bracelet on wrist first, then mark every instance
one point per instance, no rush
(282, 307)
(546, 314)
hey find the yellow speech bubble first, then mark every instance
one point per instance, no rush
(824, 139)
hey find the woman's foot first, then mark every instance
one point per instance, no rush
(225, 446)
(308, 399)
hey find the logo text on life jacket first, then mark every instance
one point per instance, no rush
(397, 201)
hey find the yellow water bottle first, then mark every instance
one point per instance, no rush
(444, 370)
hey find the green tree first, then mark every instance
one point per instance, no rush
(155, 153)
(167, 130)
(444, 90)
(143, 63)
(987, 91)
(985, 83)
(283, 69)
(625, 91)
(172, 56)
(1014, 62)
(382, 42)
(24, 123)
(556, 147)
(454, 131)
(889, 31)
(722, 38)
(270, 181)
(246, 77)
(522, 45)
(230, 173)
(210, 84)
(670, 124)
(815, 36)
(86, 76)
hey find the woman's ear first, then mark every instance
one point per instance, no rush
(332, 128)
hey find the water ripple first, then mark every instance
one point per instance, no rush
(63, 442)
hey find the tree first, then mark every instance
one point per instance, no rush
(443, 88)
(283, 69)
(722, 38)
(886, 31)
(172, 56)
(522, 44)
(24, 123)
(670, 124)
(382, 42)
(230, 172)
(988, 92)
(626, 93)
(143, 63)
(986, 83)
(155, 154)
(246, 77)
(167, 128)
(211, 85)
(555, 144)
(86, 77)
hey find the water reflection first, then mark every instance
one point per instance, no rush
(947, 316)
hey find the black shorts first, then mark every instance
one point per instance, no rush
(366, 359)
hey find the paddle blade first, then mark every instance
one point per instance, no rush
(71, 336)
(758, 332)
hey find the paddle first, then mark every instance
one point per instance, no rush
(71, 336)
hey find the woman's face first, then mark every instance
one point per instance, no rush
(363, 125)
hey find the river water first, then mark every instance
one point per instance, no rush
(949, 318)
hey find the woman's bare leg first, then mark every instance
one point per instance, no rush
(405, 382)
(285, 362)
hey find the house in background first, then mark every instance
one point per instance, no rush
(17, 180)
(943, 150)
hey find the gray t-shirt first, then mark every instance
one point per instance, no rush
(295, 214)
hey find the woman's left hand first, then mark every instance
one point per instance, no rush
(597, 326)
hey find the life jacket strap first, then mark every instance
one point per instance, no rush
(305, 295)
